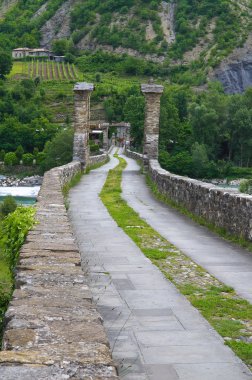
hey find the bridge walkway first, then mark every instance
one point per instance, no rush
(226, 261)
(154, 331)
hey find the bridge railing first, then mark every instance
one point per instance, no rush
(53, 329)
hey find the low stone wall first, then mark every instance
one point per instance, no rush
(221, 207)
(101, 158)
(53, 330)
(135, 155)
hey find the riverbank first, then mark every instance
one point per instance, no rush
(6, 181)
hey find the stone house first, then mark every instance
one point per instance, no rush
(20, 53)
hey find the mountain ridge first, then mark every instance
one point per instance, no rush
(190, 33)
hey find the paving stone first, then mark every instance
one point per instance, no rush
(203, 246)
(141, 320)
(162, 372)
(223, 371)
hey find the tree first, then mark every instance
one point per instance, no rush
(200, 160)
(5, 63)
(134, 114)
(60, 47)
(59, 151)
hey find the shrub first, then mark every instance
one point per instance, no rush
(94, 148)
(40, 158)
(13, 232)
(19, 152)
(27, 158)
(246, 186)
(10, 159)
(8, 205)
(2, 154)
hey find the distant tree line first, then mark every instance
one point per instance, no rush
(202, 135)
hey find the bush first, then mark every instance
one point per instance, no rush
(19, 152)
(246, 186)
(94, 148)
(13, 232)
(40, 158)
(2, 154)
(10, 159)
(27, 158)
(8, 205)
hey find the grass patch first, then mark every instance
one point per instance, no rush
(230, 315)
(66, 188)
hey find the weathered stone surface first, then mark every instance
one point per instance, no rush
(152, 93)
(29, 372)
(98, 159)
(53, 330)
(82, 93)
(222, 207)
(235, 72)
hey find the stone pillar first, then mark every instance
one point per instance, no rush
(113, 140)
(105, 129)
(152, 93)
(82, 93)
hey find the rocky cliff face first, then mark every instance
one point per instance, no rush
(235, 72)
(58, 26)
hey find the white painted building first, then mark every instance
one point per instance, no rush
(20, 53)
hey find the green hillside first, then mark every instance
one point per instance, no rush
(181, 30)
(204, 132)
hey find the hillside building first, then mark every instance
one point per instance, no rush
(20, 53)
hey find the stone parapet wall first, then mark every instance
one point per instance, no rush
(53, 330)
(101, 158)
(135, 155)
(221, 207)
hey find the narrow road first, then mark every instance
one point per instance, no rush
(154, 331)
(227, 262)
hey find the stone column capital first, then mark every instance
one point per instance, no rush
(152, 89)
(83, 87)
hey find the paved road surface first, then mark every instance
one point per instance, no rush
(154, 332)
(227, 262)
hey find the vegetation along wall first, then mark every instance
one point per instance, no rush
(221, 207)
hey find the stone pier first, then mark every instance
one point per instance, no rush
(152, 93)
(82, 93)
(105, 129)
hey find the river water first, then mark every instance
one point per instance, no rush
(22, 195)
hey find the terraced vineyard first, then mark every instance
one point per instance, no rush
(46, 71)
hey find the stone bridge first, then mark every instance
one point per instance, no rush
(88, 305)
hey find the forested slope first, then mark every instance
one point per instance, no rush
(181, 30)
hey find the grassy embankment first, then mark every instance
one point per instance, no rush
(229, 314)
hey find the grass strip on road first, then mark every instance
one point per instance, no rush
(230, 315)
